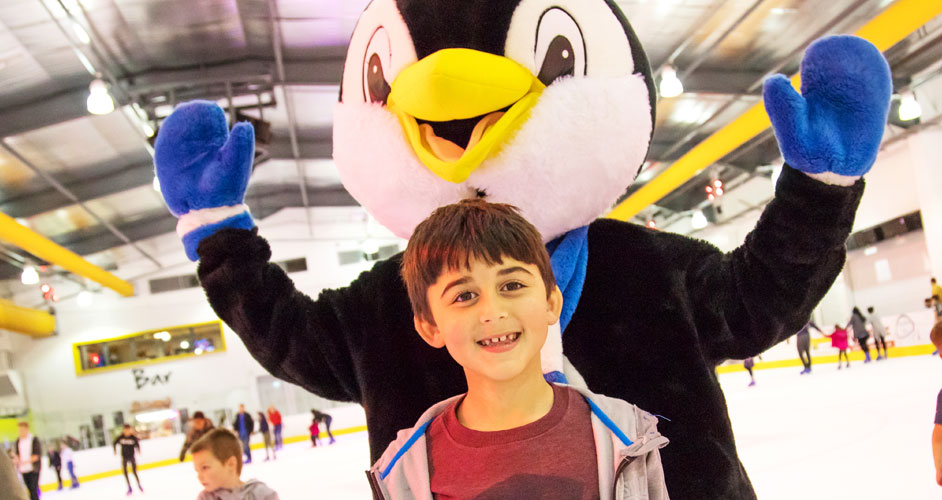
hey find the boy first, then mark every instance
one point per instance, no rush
(129, 445)
(481, 285)
(217, 459)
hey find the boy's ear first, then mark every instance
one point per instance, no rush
(554, 305)
(232, 463)
(429, 332)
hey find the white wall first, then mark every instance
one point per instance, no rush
(61, 401)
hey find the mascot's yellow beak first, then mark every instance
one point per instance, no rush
(460, 84)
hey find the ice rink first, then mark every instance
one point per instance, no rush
(862, 433)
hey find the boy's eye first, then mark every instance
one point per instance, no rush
(513, 285)
(464, 297)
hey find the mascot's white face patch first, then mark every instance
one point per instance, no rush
(581, 148)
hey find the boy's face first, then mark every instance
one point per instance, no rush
(212, 473)
(126, 431)
(492, 319)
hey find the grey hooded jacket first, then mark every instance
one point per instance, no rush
(626, 442)
(253, 489)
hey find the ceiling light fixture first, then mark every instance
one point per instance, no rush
(909, 108)
(81, 34)
(29, 276)
(85, 299)
(699, 220)
(99, 100)
(671, 86)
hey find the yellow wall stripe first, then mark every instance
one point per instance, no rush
(887, 29)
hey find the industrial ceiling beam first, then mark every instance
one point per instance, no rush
(15, 234)
(264, 200)
(887, 29)
(27, 321)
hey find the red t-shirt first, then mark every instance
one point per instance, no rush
(552, 458)
(274, 417)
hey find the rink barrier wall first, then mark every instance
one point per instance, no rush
(66, 483)
(894, 352)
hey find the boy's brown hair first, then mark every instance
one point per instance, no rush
(470, 229)
(223, 444)
(936, 335)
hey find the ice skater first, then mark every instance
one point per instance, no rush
(879, 333)
(266, 436)
(803, 341)
(244, 427)
(859, 323)
(325, 419)
(274, 418)
(749, 364)
(55, 462)
(65, 451)
(199, 426)
(129, 446)
(27, 456)
(315, 433)
(839, 342)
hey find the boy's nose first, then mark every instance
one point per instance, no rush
(492, 309)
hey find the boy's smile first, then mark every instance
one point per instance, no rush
(493, 319)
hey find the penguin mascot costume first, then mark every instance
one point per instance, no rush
(547, 105)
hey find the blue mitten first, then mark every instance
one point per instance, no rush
(837, 123)
(204, 170)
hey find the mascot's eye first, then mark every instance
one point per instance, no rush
(560, 61)
(377, 87)
(560, 48)
(377, 57)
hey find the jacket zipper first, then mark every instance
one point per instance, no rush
(374, 486)
(621, 468)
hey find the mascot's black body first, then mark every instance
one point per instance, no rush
(560, 129)
(658, 313)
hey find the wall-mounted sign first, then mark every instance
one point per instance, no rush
(141, 380)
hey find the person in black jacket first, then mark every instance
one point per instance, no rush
(55, 461)
(27, 453)
(244, 426)
(325, 419)
(130, 445)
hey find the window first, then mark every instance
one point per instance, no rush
(150, 347)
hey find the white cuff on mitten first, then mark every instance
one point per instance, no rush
(835, 179)
(198, 218)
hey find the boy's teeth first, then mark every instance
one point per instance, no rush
(511, 337)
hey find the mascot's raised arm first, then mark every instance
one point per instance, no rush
(546, 105)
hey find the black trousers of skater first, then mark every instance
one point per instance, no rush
(124, 467)
(863, 345)
(31, 479)
(58, 475)
(327, 420)
(879, 341)
(804, 349)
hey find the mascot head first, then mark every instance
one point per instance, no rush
(544, 104)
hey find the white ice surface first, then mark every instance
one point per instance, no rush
(862, 433)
